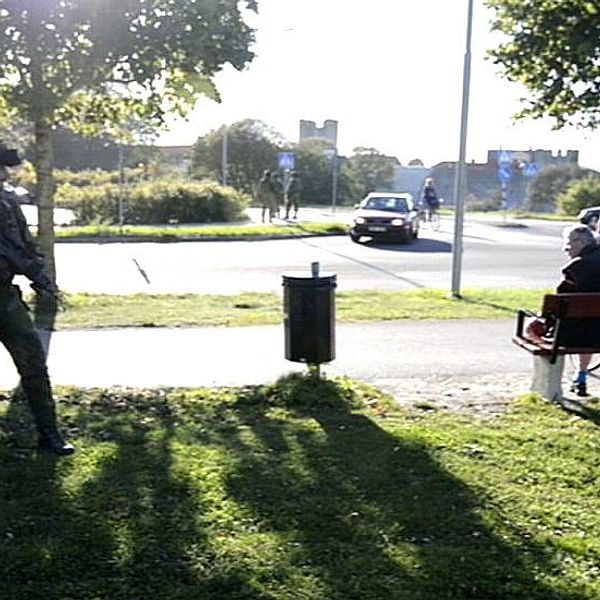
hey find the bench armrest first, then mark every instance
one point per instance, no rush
(522, 314)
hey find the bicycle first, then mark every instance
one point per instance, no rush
(430, 216)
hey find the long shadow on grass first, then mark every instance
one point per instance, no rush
(117, 521)
(479, 302)
(366, 514)
(581, 409)
(284, 493)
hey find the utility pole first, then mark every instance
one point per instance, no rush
(121, 211)
(334, 180)
(331, 154)
(459, 181)
(224, 157)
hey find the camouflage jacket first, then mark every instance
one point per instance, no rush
(18, 253)
(267, 192)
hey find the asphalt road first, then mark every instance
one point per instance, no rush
(495, 255)
(415, 361)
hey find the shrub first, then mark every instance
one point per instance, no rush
(483, 204)
(154, 203)
(545, 189)
(581, 193)
(88, 177)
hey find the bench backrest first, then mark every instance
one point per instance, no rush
(572, 306)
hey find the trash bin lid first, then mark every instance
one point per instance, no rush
(307, 280)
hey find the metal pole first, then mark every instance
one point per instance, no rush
(121, 185)
(224, 157)
(459, 180)
(334, 182)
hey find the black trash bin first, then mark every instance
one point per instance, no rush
(309, 317)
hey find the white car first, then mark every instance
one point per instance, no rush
(390, 216)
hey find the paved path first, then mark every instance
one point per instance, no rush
(460, 365)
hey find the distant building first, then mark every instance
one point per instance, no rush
(482, 179)
(542, 158)
(329, 131)
(410, 179)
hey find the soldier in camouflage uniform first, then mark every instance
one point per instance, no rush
(18, 255)
(268, 197)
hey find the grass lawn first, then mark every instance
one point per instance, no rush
(303, 489)
(173, 233)
(179, 310)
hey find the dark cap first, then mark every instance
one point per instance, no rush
(9, 157)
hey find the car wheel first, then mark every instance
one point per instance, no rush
(415, 233)
(355, 238)
(408, 236)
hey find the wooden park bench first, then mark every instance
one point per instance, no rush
(573, 327)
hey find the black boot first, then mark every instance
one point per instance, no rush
(51, 440)
(580, 389)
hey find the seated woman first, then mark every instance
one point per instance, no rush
(581, 274)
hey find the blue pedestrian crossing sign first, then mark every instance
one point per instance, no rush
(504, 157)
(504, 173)
(530, 169)
(286, 161)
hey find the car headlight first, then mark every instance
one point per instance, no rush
(397, 222)
(359, 220)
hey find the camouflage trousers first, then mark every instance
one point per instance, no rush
(270, 210)
(20, 338)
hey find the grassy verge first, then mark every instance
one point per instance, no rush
(303, 489)
(179, 310)
(518, 214)
(205, 232)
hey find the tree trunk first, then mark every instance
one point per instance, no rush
(45, 307)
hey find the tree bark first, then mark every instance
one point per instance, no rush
(45, 308)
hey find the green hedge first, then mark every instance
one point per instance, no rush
(26, 176)
(154, 203)
(580, 193)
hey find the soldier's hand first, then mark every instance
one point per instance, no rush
(45, 287)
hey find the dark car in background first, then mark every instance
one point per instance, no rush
(386, 216)
(589, 216)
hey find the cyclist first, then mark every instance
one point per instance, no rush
(429, 199)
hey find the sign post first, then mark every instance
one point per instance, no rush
(331, 154)
(504, 176)
(460, 178)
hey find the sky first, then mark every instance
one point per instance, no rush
(389, 71)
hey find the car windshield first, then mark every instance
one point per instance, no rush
(383, 203)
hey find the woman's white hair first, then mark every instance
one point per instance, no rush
(579, 233)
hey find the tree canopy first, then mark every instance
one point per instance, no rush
(373, 170)
(85, 62)
(95, 65)
(552, 47)
(251, 149)
(580, 194)
(550, 183)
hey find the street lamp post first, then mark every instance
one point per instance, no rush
(121, 210)
(224, 166)
(334, 180)
(459, 180)
(331, 154)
